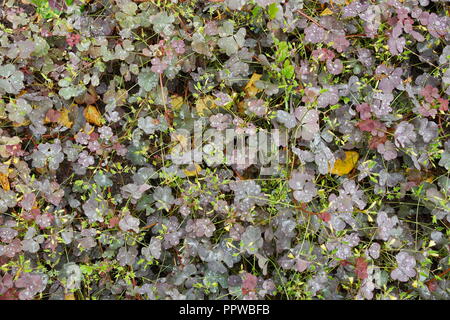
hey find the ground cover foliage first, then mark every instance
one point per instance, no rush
(93, 205)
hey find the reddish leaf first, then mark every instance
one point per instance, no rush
(53, 115)
(429, 93)
(325, 216)
(369, 125)
(73, 39)
(375, 141)
(15, 150)
(443, 104)
(249, 283)
(432, 286)
(361, 268)
(10, 294)
(114, 221)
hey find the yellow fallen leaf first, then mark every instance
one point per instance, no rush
(22, 124)
(342, 167)
(204, 105)
(64, 118)
(4, 182)
(250, 89)
(176, 102)
(69, 296)
(92, 115)
(190, 172)
(326, 12)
